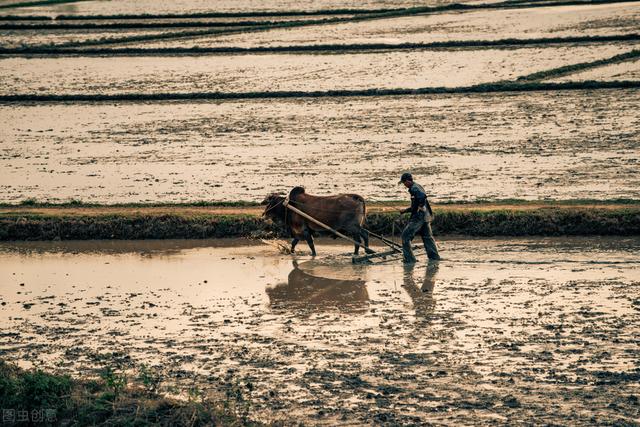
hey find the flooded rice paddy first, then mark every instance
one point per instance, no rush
(140, 7)
(532, 23)
(502, 330)
(558, 145)
(279, 72)
(37, 37)
(547, 144)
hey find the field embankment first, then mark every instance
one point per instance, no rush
(193, 221)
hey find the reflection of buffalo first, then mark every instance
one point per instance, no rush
(305, 291)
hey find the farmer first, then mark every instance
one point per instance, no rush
(419, 222)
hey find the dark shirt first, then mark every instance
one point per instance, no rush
(419, 201)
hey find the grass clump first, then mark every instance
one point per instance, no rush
(29, 202)
(31, 391)
(36, 397)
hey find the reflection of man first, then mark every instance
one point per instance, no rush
(421, 296)
(419, 222)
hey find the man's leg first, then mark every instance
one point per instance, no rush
(429, 242)
(407, 234)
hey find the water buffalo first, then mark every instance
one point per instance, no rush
(344, 213)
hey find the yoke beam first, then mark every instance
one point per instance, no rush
(325, 226)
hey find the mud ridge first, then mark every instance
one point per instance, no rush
(482, 88)
(519, 204)
(137, 25)
(499, 222)
(452, 44)
(572, 68)
(37, 3)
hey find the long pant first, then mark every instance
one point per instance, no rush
(418, 224)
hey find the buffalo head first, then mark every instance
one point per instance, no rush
(274, 208)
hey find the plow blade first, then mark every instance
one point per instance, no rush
(381, 256)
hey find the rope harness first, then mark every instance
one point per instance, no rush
(273, 207)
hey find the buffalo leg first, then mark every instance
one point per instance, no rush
(365, 238)
(309, 238)
(294, 242)
(357, 237)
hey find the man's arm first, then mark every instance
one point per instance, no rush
(415, 204)
(428, 206)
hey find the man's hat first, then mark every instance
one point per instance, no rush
(405, 177)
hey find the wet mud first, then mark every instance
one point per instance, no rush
(501, 331)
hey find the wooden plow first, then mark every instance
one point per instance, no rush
(395, 248)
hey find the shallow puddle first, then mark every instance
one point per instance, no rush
(548, 326)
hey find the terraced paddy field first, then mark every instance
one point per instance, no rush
(282, 72)
(555, 145)
(36, 37)
(136, 120)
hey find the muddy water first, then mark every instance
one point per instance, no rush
(562, 145)
(501, 331)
